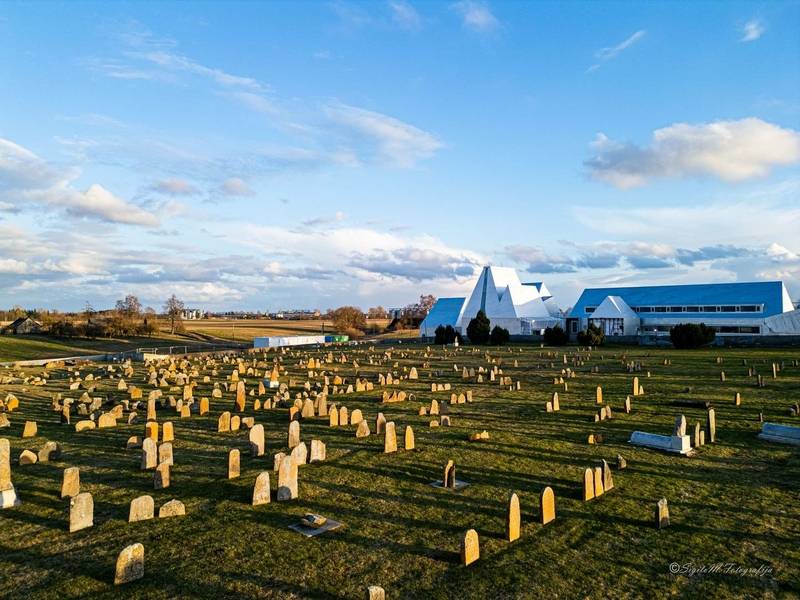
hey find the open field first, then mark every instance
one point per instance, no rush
(244, 330)
(735, 501)
(31, 347)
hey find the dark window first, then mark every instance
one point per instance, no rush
(590, 309)
(675, 309)
(727, 309)
(755, 330)
(692, 309)
(749, 308)
(661, 309)
(709, 309)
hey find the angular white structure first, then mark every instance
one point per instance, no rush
(522, 308)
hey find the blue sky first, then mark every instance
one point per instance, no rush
(270, 155)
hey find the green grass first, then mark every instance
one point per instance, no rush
(736, 501)
(33, 347)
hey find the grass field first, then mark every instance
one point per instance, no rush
(736, 501)
(32, 347)
(246, 329)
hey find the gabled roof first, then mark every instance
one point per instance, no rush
(613, 307)
(772, 294)
(445, 311)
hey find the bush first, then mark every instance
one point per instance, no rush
(478, 329)
(555, 336)
(446, 335)
(591, 336)
(691, 335)
(499, 336)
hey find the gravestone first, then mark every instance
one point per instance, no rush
(588, 485)
(621, 462)
(363, 429)
(256, 437)
(318, 451)
(130, 564)
(300, 454)
(173, 508)
(71, 482)
(149, 454)
(167, 432)
(261, 489)
(151, 430)
(512, 518)
(81, 512)
(224, 422)
(389, 439)
(598, 482)
(409, 438)
(234, 459)
(680, 426)
(449, 479)
(711, 426)
(380, 422)
(662, 514)
(375, 592)
(161, 476)
(29, 430)
(547, 506)
(356, 417)
(608, 481)
(293, 437)
(470, 548)
(165, 453)
(141, 509)
(287, 480)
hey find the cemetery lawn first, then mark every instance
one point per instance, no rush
(32, 347)
(734, 503)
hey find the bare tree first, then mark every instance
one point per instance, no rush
(174, 309)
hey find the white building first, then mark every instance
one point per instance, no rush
(522, 308)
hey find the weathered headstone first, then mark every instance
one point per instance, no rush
(149, 454)
(409, 438)
(130, 564)
(512, 518)
(161, 476)
(141, 509)
(293, 437)
(588, 485)
(390, 438)
(173, 508)
(662, 514)
(256, 437)
(711, 426)
(81, 512)
(261, 489)
(71, 482)
(547, 506)
(470, 548)
(234, 457)
(287, 479)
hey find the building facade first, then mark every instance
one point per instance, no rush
(732, 309)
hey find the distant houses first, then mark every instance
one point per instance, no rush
(22, 326)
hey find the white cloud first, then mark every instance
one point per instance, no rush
(175, 187)
(25, 178)
(405, 15)
(606, 54)
(752, 30)
(397, 143)
(476, 15)
(733, 151)
(177, 62)
(234, 186)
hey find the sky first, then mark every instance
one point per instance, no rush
(274, 155)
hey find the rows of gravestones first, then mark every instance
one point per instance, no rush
(304, 385)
